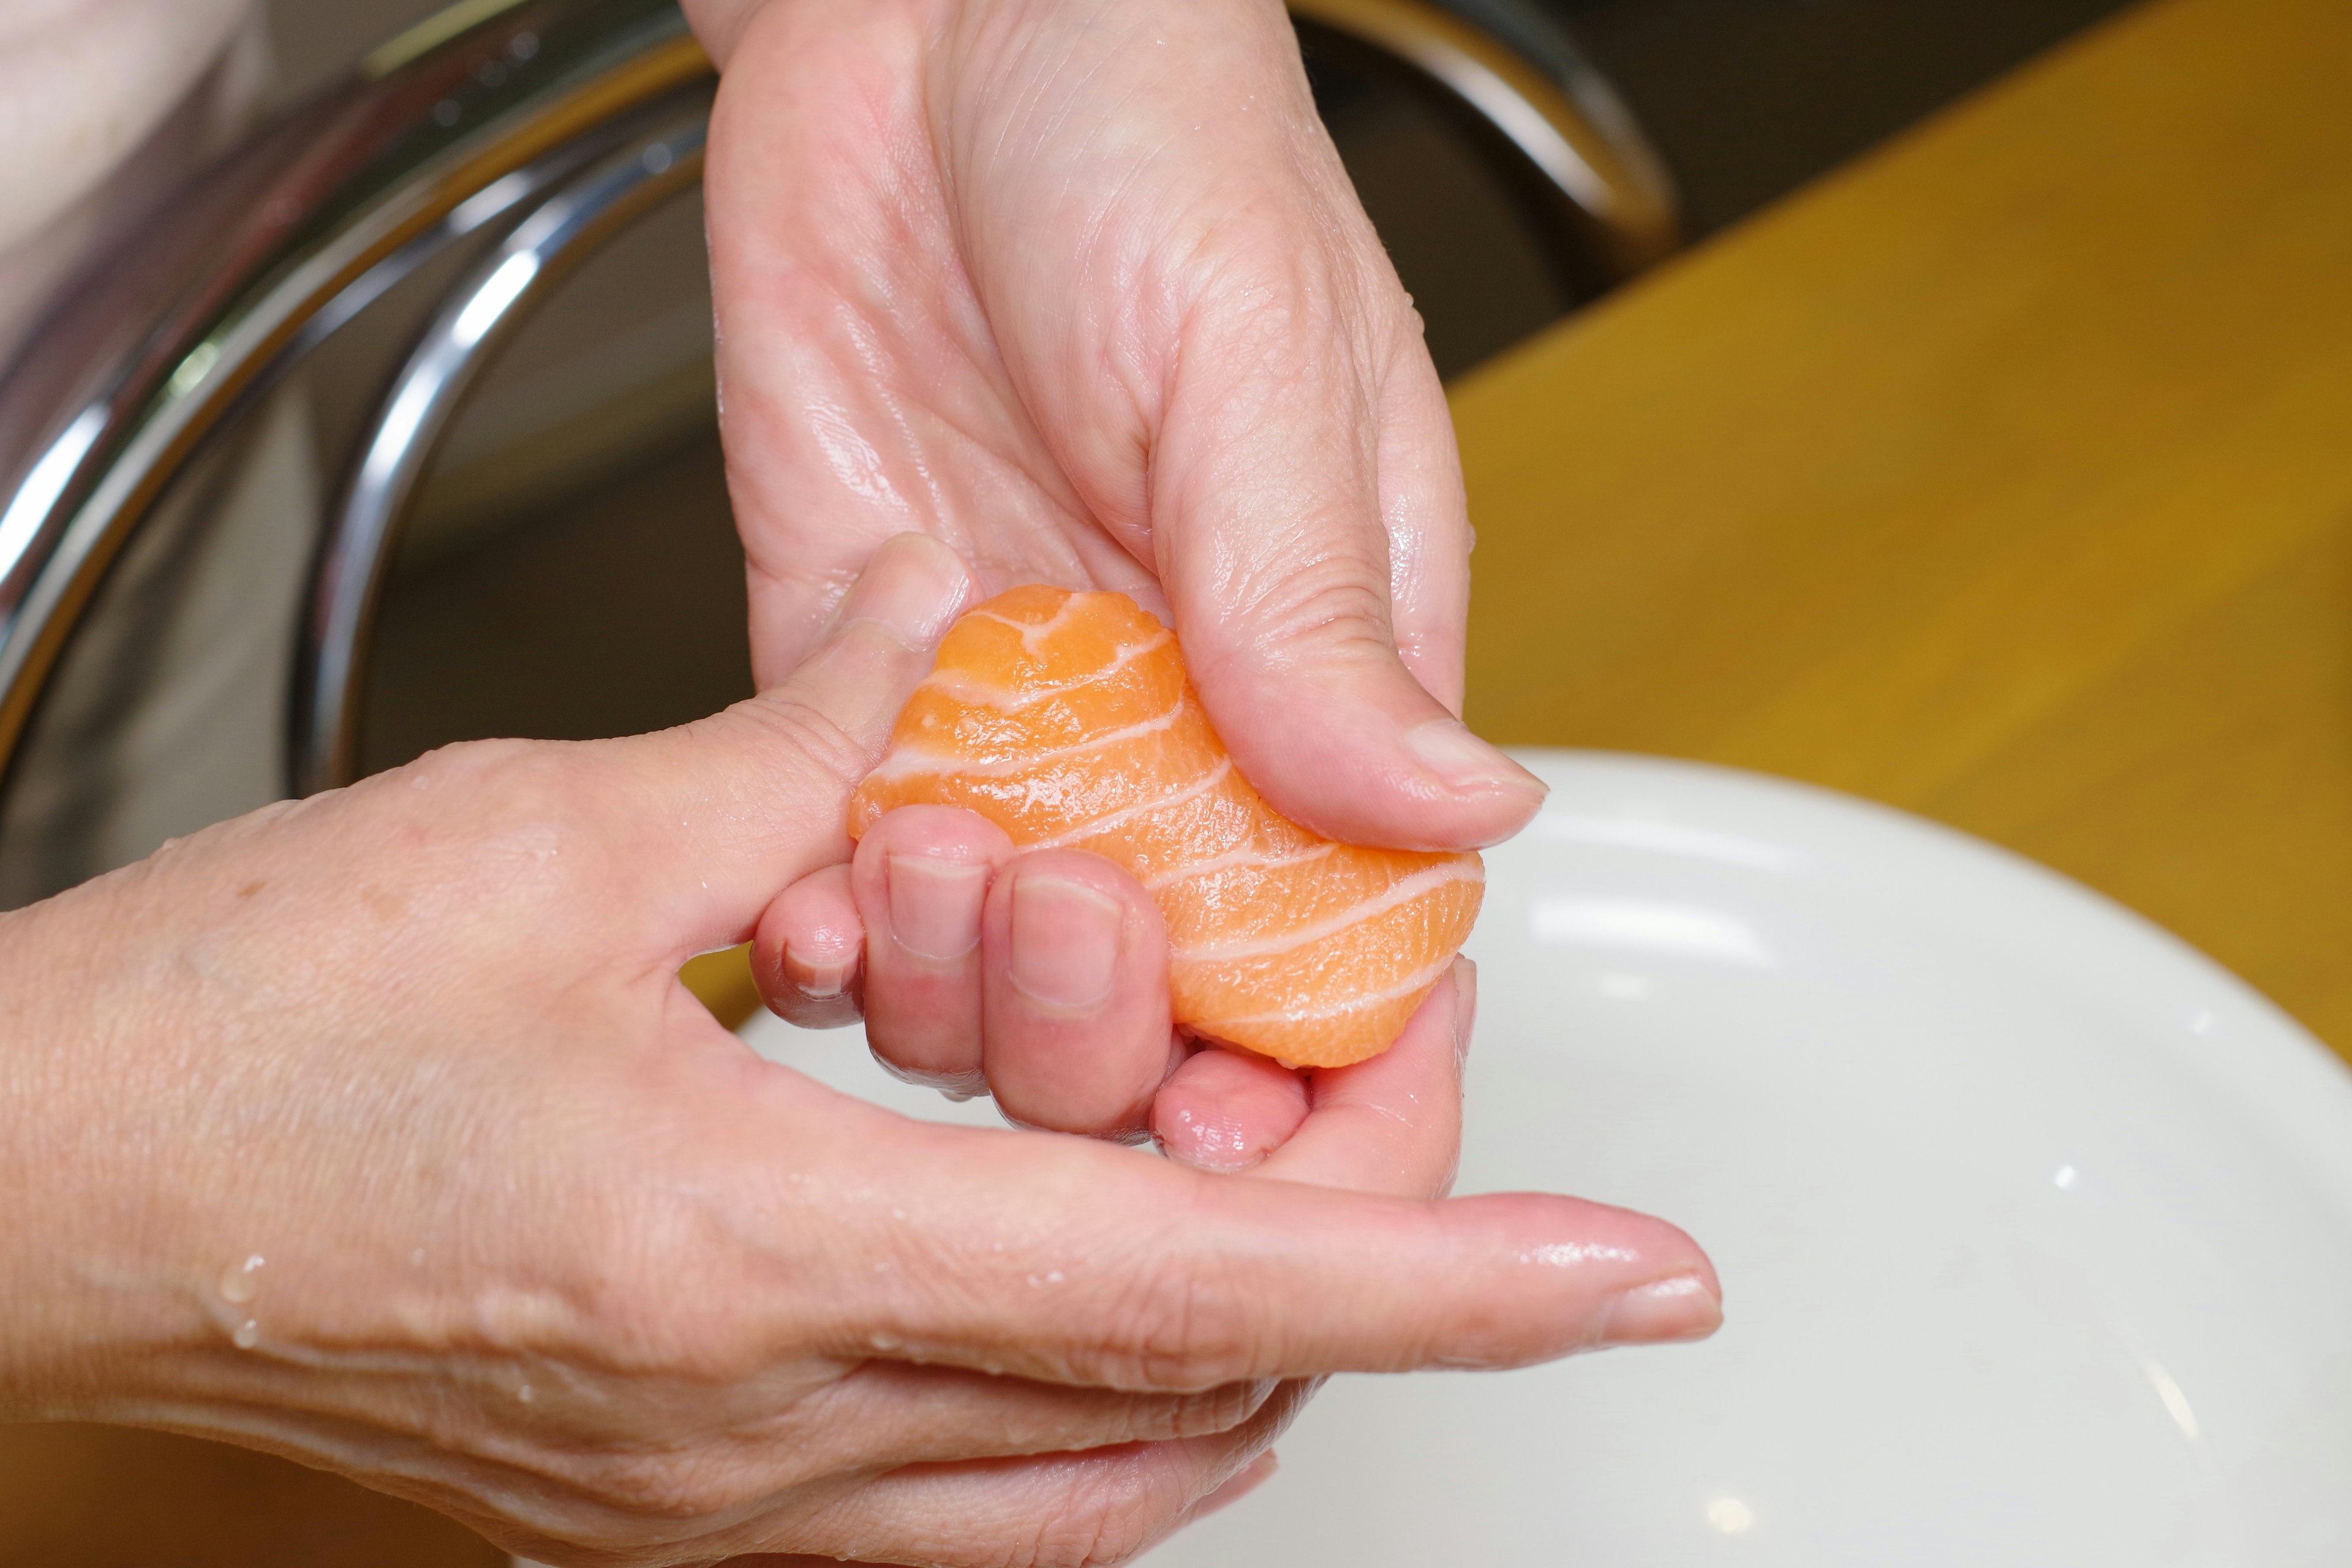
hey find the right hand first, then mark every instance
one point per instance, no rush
(1082, 288)
(549, 1250)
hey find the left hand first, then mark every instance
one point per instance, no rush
(1041, 979)
(377, 1131)
(1081, 287)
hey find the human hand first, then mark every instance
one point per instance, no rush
(1040, 978)
(1081, 287)
(376, 1131)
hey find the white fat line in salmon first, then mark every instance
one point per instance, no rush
(1230, 861)
(1031, 631)
(960, 686)
(1398, 894)
(1126, 814)
(1405, 987)
(907, 761)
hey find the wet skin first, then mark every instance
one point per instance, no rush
(376, 1130)
(1081, 287)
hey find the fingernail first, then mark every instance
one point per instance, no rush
(1682, 1308)
(1065, 939)
(935, 905)
(1247, 1480)
(913, 587)
(819, 978)
(1463, 761)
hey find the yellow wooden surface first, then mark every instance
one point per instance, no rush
(2005, 477)
(722, 982)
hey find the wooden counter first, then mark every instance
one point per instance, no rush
(2005, 477)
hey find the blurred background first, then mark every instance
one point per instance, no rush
(1889, 480)
(1744, 100)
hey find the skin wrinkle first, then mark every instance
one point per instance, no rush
(1124, 404)
(525, 1156)
(877, 366)
(876, 362)
(1122, 518)
(973, 340)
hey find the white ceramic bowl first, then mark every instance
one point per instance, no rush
(2035, 1225)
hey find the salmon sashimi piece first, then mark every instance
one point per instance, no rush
(1068, 719)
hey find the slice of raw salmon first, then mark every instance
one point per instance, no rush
(1068, 719)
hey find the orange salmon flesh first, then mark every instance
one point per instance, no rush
(1068, 719)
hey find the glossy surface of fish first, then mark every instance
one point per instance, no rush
(1068, 719)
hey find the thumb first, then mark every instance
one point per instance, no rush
(723, 814)
(1316, 556)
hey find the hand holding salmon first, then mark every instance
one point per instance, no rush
(1068, 719)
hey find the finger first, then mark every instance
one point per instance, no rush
(1291, 505)
(712, 818)
(1225, 1111)
(808, 954)
(921, 880)
(1070, 1261)
(1103, 1506)
(1287, 630)
(1246, 1481)
(887, 1414)
(1391, 1124)
(1426, 518)
(1076, 1011)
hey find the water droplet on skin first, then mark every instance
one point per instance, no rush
(994, 1368)
(524, 1394)
(885, 1342)
(248, 1335)
(238, 1283)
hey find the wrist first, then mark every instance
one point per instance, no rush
(86, 1288)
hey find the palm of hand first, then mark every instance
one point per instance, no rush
(1082, 290)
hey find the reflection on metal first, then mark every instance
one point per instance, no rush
(479, 315)
(1583, 143)
(111, 400)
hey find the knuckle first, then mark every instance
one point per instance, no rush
(519, 795)
(1218, 1411)
(475, 831)
(803, 729)
(645, 1332)
(676, 1488)
(1184, 1329)
(1336, 600)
